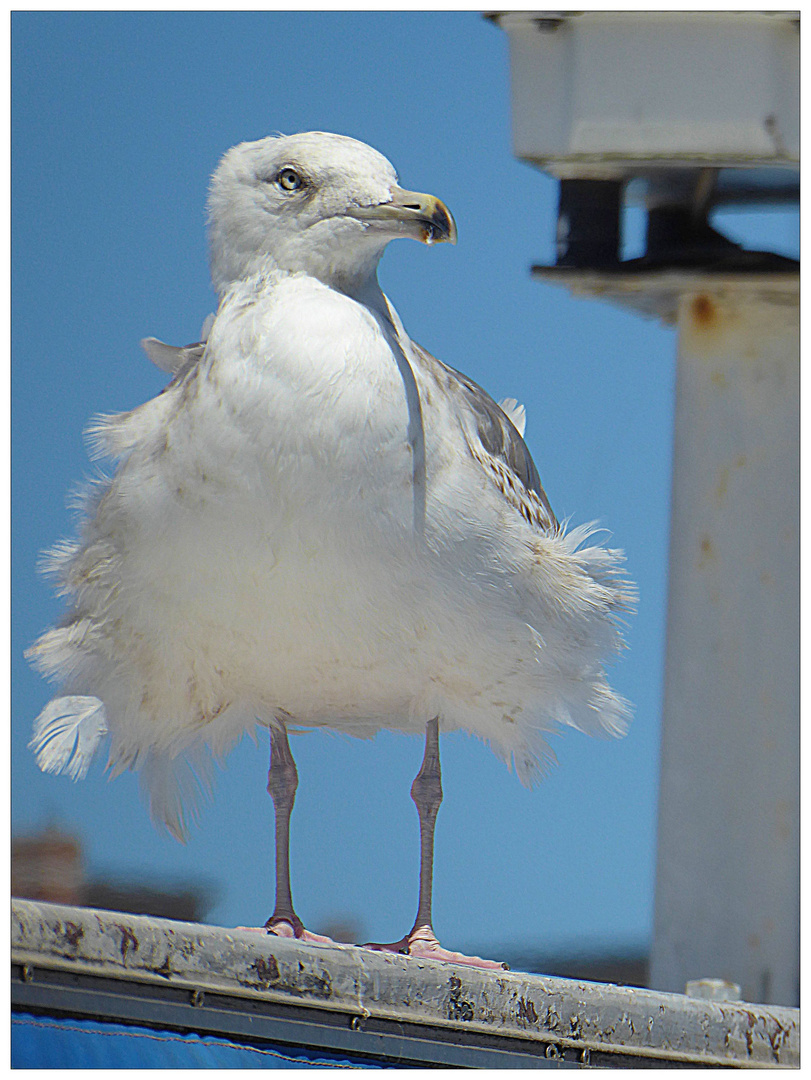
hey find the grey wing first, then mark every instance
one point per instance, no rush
(172, 358)
(495, 443)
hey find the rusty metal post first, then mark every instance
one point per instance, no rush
(702, 107)
(727, 897)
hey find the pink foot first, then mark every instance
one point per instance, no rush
(423, 943)
(287, 928)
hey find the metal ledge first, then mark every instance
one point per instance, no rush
(81, 962)
(656, 293)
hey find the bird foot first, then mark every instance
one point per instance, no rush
(291, 928)
(422, 943)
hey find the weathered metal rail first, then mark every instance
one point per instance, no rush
(377, 1007)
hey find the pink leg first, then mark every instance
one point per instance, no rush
(282, 784)
(426, 791)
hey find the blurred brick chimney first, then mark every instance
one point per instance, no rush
(48, 866)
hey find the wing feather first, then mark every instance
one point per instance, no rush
(496, 443)
(516, 413)
(172, 358)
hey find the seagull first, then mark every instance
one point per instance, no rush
(319, 524)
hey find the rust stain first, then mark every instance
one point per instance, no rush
(707, 551)
(704, 312)
(127, 939)
(777, 1037)
(707, 323)
(750, 1042)
(267, 971)
(307, 983)
(165, 970)
(458, 1008)
(526, 1011)
(73, 934)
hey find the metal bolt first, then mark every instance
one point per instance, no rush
(355, 1024)
(198, 998)
(27, 973)
(553, 1051)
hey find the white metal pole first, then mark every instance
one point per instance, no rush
(727, 893)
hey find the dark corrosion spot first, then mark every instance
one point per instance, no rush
(526, 1011)
(707, 552)
(458, 1008)
(165, 970)
(704, 313)
(127, 939)
(267, 971)
(73, 934)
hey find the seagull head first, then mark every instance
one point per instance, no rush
(314, 203)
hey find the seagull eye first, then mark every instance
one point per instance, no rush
(290, 180)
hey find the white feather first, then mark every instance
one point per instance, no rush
(208, 322)
(173, 358)
(174, 787)
(166, 357)
(515, 413)
(67, 733)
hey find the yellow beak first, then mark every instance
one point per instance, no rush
(423, 216)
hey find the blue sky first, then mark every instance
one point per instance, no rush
(118, 122)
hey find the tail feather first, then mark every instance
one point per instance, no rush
(175, 786)
(67, 733)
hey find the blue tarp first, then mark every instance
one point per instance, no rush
(44, 1042)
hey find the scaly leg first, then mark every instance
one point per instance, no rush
(426, 791)
(282, 784)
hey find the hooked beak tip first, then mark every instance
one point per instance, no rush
(440, 226)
